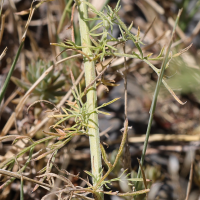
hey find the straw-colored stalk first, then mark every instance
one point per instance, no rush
(89, 67)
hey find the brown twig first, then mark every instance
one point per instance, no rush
(2, 27)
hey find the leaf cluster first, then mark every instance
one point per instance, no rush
(78, 111)
(105, 44)
(49, 88)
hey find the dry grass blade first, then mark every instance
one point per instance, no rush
(54, 134)
(58, 193)
(12, 174)
(83, 197)
(37, 186)
(195, 31)
(44, 155)
(51, 30)
(72, 23)
(105, 132)
(165, 137)
(2, 27)
(148, 29)
(42, 101)
(143, 175)
(155, 41)
(172, 93)
(2, 1)
(128, 194)
(8, 138)
(156, 6)
(64, 179)
(133, 193)
(183, 51)
(190, 181)
(48, 169)
(3, 53)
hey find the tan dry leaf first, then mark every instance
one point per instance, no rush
(23, 12)
(172, 93)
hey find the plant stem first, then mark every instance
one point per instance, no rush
(153, 105)
(67, 9)
(23, 151)
(89, 67)
(10, 72)
(2, 92)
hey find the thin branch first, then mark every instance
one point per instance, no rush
(123, 141)
(16, 175)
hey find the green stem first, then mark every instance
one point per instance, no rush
(153, 105)
(67, 9)
(11, 71)
(2, 92)
(12, 159)
(110, 166)
(89, 67)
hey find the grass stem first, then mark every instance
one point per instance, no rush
(153, 105)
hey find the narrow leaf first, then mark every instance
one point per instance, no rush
(172, 93)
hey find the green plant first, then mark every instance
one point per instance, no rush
(49, 88)
(31, 12)
(94, 48)
(102, 49)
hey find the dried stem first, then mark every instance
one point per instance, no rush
(127, 155)
(16, 175)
